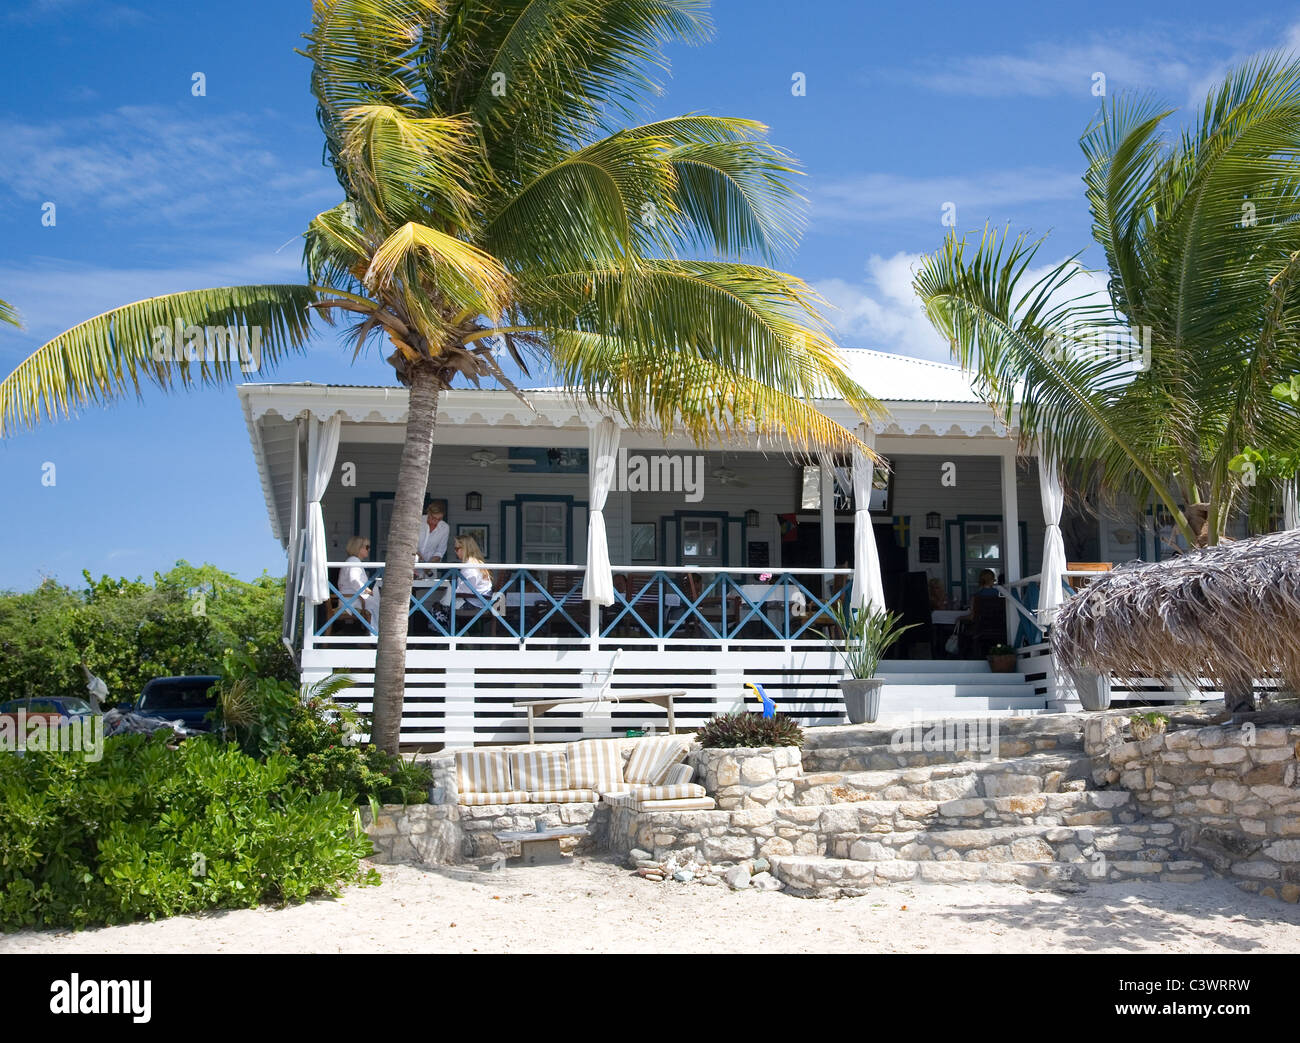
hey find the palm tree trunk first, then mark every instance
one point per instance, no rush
(403, 545)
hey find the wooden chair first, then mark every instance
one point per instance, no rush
(989, 627)
(1077, 583)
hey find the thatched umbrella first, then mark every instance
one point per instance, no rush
(1229, 612)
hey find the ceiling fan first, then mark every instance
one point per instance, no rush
(486, 458)
(724, 475)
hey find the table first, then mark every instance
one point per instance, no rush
(540, 848)
(664, 699)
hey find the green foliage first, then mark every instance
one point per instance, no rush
(749, 729)
(149, 831)
(128, 631)
(866, 635)
(318, 736)
(1001, 649)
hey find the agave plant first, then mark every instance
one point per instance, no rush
(498, 203)
(865, 635)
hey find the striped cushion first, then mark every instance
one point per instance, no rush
(686, 804)
(539, 770)
(679, 774)
(563, 796)
(684, 791)
(651, 759)
(513, 796)
(596, 764)
(482, 771)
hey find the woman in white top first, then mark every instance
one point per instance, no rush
(353, 580)
(480, 579)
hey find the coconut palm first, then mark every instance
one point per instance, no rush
(497, 205)
(1202, 245)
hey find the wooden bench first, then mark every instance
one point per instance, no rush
(664, 699)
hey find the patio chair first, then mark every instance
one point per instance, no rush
(988, 628)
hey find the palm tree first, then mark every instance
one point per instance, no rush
(494, 202)
(9, 314)
(1202, 241)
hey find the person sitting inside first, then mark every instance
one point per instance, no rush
(480, 579)
(988, 589)
(433, 540)
(354, 581)
(938, 599)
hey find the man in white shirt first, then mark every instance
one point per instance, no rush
(433, 541)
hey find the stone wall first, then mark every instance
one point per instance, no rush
(1233, 791)
(757, 777)
(415, 834)
(478, 824)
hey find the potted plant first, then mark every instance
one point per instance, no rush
(1002, 659)
(1144, 725)
(866, 635)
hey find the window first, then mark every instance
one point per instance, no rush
(983, 551)
(701, 541)
(545, 532)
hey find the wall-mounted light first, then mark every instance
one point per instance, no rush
(473, 501)
(752, 518)
(933, 520)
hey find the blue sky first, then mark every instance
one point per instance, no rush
(907, 107)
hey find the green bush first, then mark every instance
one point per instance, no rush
(749, 729)
(149, 831)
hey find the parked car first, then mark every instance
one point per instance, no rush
(187, 699)
(54, 709)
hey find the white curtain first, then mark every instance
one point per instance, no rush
(322, 448)
(1050, 595)
(598, 582)
(868, 589)
(1291, 504)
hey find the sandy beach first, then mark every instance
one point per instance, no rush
(596, 905)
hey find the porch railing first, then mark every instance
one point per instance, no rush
(544, 603)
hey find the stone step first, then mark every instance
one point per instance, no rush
(1064, 729)
(950, 778)
(814, 876)
(916, 677)
(934, 666)
(1143, 842)
(1082, 808)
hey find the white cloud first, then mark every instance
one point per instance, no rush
(884, 314)
(140, 163)
(877, 198)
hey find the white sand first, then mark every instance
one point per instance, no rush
(597, 906)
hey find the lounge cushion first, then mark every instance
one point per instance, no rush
(516, 796)
(539, 769)
(652, 758)
(683, 791)
(686, 804)
(679, 774)
(563, 796)
(596, 764)
(482, 771)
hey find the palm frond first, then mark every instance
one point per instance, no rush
(9, 314)
(127, 347)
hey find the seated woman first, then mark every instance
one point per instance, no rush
(479, 579)
(354, 580)
(987, 589)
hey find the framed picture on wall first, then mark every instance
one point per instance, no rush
(478, 532)
(644, 546)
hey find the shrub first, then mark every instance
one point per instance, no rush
(149, 831)
(750, 729)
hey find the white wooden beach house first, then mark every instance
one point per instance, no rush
(725, 560)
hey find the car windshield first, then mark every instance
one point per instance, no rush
(73, 706)
(178, 695)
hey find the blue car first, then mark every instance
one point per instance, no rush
(188, 699)
(56, 708)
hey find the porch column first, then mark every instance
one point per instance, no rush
(1291, 504)
(322, 448)
(598, 581)
(828, 520)
(294, 547)
(1050, 595)
(1010, 533)
(868, 588)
